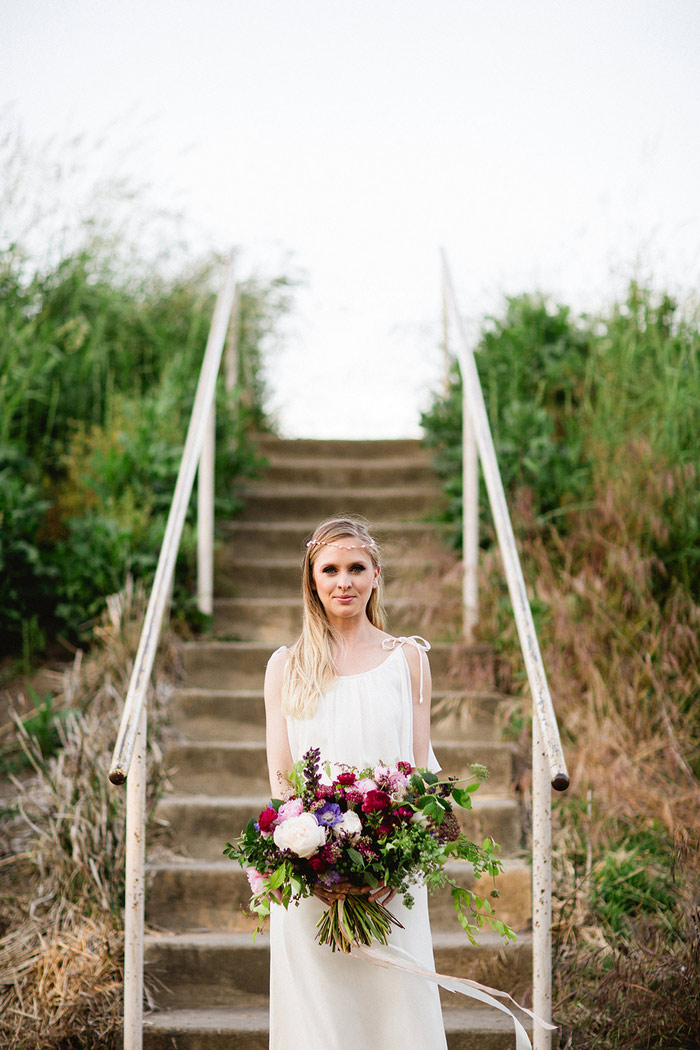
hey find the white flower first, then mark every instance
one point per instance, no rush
(418, 818)
(349, 827)
(302, 835)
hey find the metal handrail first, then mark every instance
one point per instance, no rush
(129, 759)
(549, 766)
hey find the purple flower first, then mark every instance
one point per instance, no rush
(329, 815)
(330, 878)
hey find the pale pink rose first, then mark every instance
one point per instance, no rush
(302, 835)
(290, 809)
(382, 773)
(349, 827)
(256, 880)
(365, 785)
(398, 783)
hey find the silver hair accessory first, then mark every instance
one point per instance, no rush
(341, 546)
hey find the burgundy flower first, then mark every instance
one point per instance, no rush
(384, 829)
(376, 801)
(318, 863)
(324, 791)
(267, 819)
(404, 767)
(353, 796)
(346, 779)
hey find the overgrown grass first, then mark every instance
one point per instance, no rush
(607, 513)
(63, 842)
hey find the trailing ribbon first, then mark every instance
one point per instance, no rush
(390, 956)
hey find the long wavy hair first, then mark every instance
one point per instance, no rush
(311, 668)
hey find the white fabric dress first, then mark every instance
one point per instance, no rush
(323, 1000)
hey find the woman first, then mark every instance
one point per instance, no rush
(362, 697)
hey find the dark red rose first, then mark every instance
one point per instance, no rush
(318, 863)
(346, 779)
(384, 829)
(267, 818)
(376, 801)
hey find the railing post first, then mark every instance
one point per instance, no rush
(470, 522)
(445, 327)
(205, 517)
(541, 888)
(135, 891)
(231, 349)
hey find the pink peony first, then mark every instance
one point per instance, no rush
(293, 808)
(365, 785)
(256, 880)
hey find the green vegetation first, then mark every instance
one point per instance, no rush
(97, 377)
(595, 425)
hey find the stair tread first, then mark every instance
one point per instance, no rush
(195, 865)
(230, 1019)
(233, 939)
(238, 801)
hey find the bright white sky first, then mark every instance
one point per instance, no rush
(548, 144)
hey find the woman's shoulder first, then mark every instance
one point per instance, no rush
(276, 664)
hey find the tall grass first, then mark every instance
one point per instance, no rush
(97, 374)
(63, 843)
(605, 499)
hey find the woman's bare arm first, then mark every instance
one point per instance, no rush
(279, 756)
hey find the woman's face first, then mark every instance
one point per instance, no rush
(344, 580)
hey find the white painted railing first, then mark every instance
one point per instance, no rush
(548, 765)
(129, 759)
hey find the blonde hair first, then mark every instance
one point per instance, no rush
(311, 669)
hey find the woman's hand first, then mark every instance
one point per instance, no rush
(329, 894)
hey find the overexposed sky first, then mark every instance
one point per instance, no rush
(545, 143)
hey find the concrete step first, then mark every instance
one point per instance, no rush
(271, 502)
(195, 970)
(220, 714)
(327, 471)
(241, 665)
(287, 537)
(277, 620)
(201, 825)
(277, 577)
(330, 448)
(214, 894)
(229, 767)
(223, 1028)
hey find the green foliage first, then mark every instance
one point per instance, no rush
(532, 364)
(578, 403)
(97, 378)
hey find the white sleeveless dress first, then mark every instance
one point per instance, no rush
(323, 1000)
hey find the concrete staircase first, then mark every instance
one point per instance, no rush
(209, 980)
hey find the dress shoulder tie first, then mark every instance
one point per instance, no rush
(420, 644)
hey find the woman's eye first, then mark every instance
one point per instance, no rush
(328, 569)
(357, 568)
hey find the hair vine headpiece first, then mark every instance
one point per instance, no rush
(341, 546)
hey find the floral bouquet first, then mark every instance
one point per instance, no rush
(364, 830)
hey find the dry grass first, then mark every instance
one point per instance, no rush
(620, 643)
(61, 878)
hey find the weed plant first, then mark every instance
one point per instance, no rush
(604, 493)
(62, 837)
(97, 378)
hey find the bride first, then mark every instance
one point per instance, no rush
(363, 697)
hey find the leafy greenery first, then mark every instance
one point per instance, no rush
(595, 425)
(97, 377)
